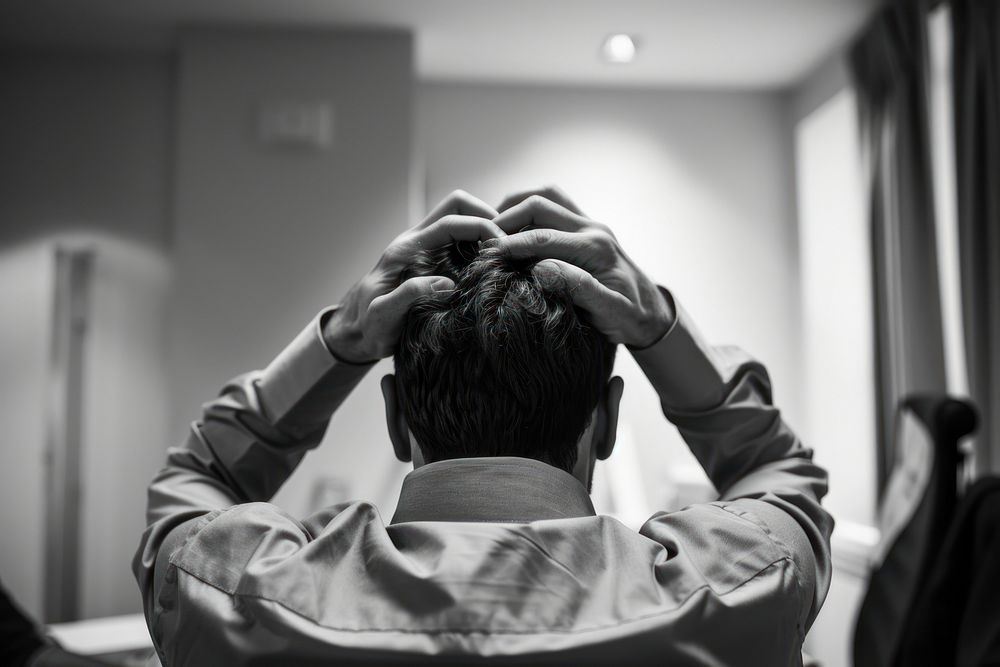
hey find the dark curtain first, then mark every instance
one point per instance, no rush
(976, 80)
(888, 64)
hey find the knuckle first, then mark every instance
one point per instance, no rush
(396, 251)
(589, 284)
(553, 192)
(411, 289)
(542, 237)
(603, 228)
(643, 319)
(548, 274)
(602, 243)
(448, 220)
(537, 201)
(456, 201)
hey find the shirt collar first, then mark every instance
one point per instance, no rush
(503, 489)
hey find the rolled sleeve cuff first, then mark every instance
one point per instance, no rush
(306, 382)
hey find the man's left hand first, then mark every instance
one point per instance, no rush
(584, 255)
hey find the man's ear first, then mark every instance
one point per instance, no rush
(399, 432)
(612, 400)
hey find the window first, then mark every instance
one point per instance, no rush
(837, 334)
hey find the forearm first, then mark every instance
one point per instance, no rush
(253, 435)
(719, 398)
(247, 441)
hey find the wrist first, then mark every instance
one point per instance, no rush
(344, 341)
(661, 320)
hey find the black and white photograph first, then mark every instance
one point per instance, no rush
(500, 332)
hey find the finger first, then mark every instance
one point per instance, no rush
(590, 250)
(453, 228)
(551, 192)
(388, 310)
(541, 212)
(458, 202)
(586, 291)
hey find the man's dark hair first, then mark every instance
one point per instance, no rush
(500, 366)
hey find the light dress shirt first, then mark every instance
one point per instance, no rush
(486, 560)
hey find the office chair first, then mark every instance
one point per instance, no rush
(917, 509)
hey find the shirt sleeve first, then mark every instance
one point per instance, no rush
(719, 398)
(246, 444)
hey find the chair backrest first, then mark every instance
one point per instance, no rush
(917, 508)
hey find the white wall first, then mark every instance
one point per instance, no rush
(27, 276)
(125, 416)
(266, 237)
(695, 185)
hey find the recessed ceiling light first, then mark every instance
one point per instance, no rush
(619, 48)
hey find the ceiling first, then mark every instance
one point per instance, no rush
(688, 43)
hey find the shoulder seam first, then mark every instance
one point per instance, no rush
(752, 518)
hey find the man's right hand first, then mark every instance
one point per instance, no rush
(623, 303)
(366, 326)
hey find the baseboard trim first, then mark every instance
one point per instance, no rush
(854, 546)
